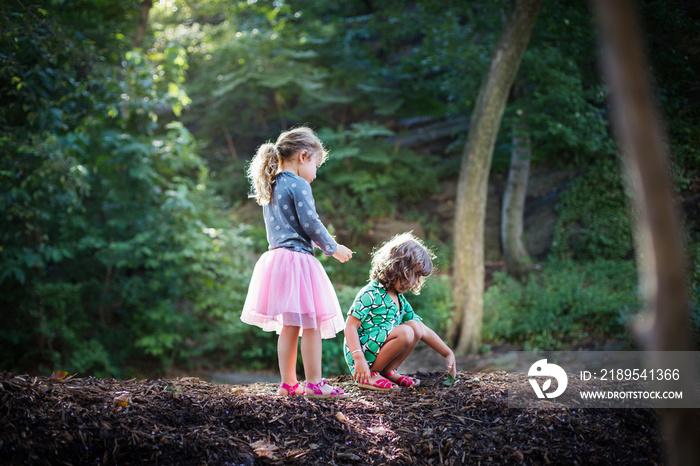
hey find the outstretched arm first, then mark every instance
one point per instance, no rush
(434, 341)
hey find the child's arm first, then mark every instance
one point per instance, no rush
(353, 341)
(305, 208)
(434, 341)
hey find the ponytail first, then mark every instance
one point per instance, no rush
(262, 171)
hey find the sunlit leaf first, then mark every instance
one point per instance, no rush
(60, 376)
(173, 90)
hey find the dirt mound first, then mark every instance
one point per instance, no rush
(188, 421)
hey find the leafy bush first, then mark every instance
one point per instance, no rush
(594, 220)
(434, 303)
(566, 305)
(368, 178)
(61, 336)
(115, 251)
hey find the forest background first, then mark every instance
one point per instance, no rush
(127, 236)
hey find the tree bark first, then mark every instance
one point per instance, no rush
(470, 208)
(142, 24)
(513, 211)
(665, 323)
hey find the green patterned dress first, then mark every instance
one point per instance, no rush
(379, 315)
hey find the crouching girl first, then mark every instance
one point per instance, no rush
(382, 329)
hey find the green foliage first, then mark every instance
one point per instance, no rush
(594, 220)
(114, 248)
(694, 287)
(566, 121)
(259, 68)
(255, 74)
(566, 305)
(672, 44)
(65, 338)
(368, 178)
(555, 95)
(442, 63)
(434, 303)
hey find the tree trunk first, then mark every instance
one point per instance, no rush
(470, 208)
(513, 210)
(142, 24)
(657, 231)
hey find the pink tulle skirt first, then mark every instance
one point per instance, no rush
(292, 288)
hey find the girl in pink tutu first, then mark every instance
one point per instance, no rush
(289, 291)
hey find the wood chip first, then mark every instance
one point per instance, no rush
(189, 421)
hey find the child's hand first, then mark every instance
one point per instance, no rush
(343, 254)
(362, 372)
(451, 365)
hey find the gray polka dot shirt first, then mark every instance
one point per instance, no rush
(291, 219)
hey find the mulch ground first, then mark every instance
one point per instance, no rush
(188, 421)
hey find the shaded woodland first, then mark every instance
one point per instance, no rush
(497, 131)
(127, 235)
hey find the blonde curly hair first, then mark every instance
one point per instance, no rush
(267, 161)
(404, 258)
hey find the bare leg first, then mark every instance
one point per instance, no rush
(401, 342)
(287, 356)
(311, 354)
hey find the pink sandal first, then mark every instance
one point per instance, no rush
(404, 380)
(291, 390)
(318, 393)
(381, 385)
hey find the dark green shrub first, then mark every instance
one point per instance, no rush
(434, 303)
(694, 289)
(566, 305)
(594, 220)
(114, 249)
